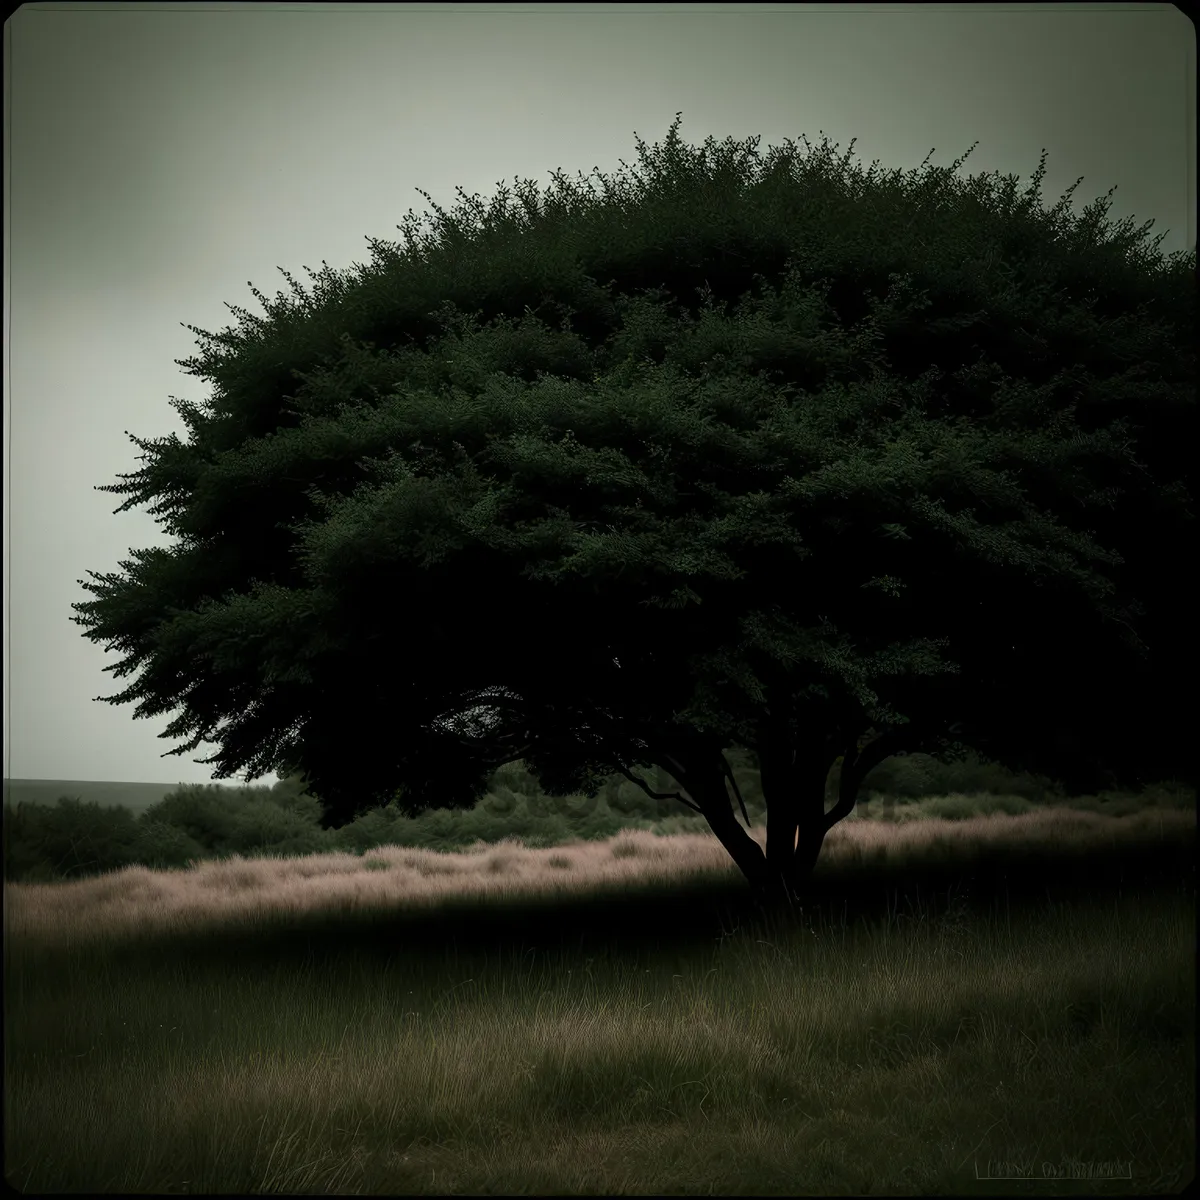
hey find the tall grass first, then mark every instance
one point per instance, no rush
(960, 998)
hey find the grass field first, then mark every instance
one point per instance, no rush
(990, 1005)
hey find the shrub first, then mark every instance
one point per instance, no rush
(262, 825)
(500, 802)
(553, 831)
(292, 796)
(601, 824)
(916, 776)
(690, 823)
(70, 840)
(23, 857)
(480, 825)
(1013, 806)
(207, 813)
(516, 778)
(163, 846)
(384, 826)
(438, 827)
(954, 807)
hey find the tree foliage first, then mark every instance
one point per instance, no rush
(759, 453)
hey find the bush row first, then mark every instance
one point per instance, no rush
(204, 821)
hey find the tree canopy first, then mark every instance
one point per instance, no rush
(741, 452)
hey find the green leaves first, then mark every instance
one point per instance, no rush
(772, 433)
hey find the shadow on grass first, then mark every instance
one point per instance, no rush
(631, 920)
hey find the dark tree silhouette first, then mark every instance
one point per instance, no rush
(768, 454)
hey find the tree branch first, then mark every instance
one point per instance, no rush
(617, 743)
(658, 795)
(916, 735)
(736, 792)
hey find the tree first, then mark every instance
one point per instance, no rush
(828, 455)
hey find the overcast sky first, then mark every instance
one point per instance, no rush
(159, 156)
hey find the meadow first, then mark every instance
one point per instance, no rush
(984, 994)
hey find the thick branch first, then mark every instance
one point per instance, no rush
(916, 735)
(704, 779)
(736, 792)
(658, 795)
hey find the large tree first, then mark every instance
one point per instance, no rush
(826, 455)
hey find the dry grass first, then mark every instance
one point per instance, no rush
(137, 897)
(894, 1057)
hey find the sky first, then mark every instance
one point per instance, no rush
(159, 156)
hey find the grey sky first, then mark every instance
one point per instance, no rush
(159, 156)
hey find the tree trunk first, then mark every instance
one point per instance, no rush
(706, 785)
(794, 769)
(796, 821)
(793, 783)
